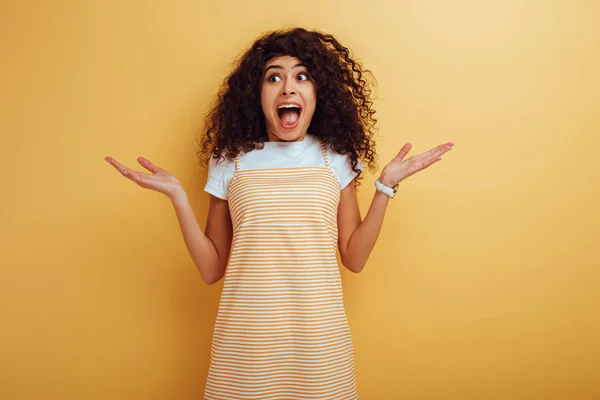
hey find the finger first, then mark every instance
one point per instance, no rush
(441, 147)
(127, 172)
(425, 164)
(120, 167)
(403, 151)
(423, 161)
(439, 150)
(446, 147)
(431, 161)
(138, 177)
(148, 165)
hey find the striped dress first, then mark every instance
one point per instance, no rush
(281, 330)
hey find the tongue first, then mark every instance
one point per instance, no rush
(289, 116)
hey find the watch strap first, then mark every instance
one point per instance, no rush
(389, 191)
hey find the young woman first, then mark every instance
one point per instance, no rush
(284, 142)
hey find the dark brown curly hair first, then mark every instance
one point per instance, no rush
(343, 115)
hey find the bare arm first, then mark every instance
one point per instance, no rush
(357, 238)
(209, 250)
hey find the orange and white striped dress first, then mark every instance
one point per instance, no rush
(281, 330)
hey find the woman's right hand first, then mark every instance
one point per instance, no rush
(159, 180)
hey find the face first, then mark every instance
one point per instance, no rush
(288, 99)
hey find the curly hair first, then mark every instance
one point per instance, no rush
(343, 116)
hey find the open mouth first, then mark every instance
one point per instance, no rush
(289, 115)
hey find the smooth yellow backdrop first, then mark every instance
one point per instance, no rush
(484, 281)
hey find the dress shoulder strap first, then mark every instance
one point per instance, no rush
(237, 163)
(324, 154)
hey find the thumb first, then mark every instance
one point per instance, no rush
(148, 165)
(403, 152)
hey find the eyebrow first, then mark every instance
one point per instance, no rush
(276, 66)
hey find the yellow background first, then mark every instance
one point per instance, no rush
(483, 284)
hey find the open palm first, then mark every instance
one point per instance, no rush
(159, 180)
(399, 169)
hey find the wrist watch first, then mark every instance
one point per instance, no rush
(390, 191)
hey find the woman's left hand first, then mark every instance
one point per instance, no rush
(399, 169)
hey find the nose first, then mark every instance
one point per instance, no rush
(288, 87)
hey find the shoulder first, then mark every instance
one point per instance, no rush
(341, 165)
(221, 165)
(220, 168)
(220, 172)
(341, 161)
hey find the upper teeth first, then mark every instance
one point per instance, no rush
(289, 106)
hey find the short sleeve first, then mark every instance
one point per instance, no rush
(342, 167)
(219, 176)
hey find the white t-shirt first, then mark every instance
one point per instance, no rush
(305, 153)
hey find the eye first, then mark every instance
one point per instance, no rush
(273, 78)
(304, 75)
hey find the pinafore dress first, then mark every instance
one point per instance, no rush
(281, 330)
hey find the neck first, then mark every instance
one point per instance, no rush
(275, 138)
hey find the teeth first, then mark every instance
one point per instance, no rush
(289, 106)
